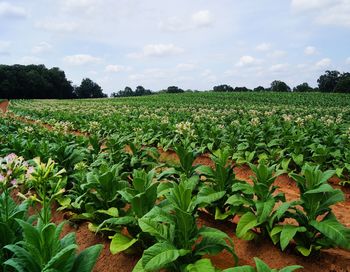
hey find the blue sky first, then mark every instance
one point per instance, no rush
(192, 44)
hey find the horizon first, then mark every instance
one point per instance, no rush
(194, 45)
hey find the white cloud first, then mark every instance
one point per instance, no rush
(117, 68)
(302, 5)
(157, 50)
(348, 60)
(337, 15)
(41, 48)
(31, 60)
(10, 10)
(281, 67)
(323, 63)
(185, 66)
(325, 12)
(82, 6)
(4, 47)
(60, 26)
(263, 47)
(202, 18)
(278, 54)
(81, 59)
(246, 61)
(310, 50)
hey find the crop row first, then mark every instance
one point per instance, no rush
(143, 204)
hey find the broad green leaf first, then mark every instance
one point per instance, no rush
(287, 234)
(247, 222)
(201, 266)
(120, 243)
(334, 231)
(160, 255)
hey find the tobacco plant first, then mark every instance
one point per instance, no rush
(42, 249)
(179, 241)
(317, 225)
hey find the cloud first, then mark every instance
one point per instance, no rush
(348, 60)
(246, 61)
(82, 6)
(117, 68)
(60, 26)
(12, 11)
(263, 47)
(202, 18)
(310, 50)
(278, 54)
(81, 59)
(41, 48)
(158, 50)
(323, 63)
(278, 68)
(325, 12)
(30, 60)
(303, 5)
(185, 66)
(4, 47)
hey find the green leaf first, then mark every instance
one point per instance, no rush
(221, 216)
(62, 261)
(261, 266)
(244, 268)
(158, 230)
(208, 195)
(120, 243)
(264, 209)
(160, 255)
(287, 234)
(304, 251)
(324, 188)
(247, 222)
(291, 268)
(205, 170)
(113, 212)
(86, 260)
(201, 266)
(334, 231)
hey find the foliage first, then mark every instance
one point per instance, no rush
(317, 226)
(43, 250)
(33, 81)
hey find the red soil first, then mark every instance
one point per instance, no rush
(4, 105)
(332, 260)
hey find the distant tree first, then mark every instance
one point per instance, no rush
(223, 88)
(304, 87)
(242, 89)
(343, 85)
(328, 81)
(140, 91)
(33, 81)
(174, 89)
(89, 89)
(259, 89)
(279, 86)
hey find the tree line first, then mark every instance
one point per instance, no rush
(39, 82)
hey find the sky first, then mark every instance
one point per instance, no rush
(193, 44)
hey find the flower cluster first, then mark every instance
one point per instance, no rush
(185, 128)
(13, 170)
(255, 121)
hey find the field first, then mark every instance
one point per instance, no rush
(188, 182)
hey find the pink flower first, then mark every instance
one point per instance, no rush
(14, 182)
(2, 178)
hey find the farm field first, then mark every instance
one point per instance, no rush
(188, 182)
